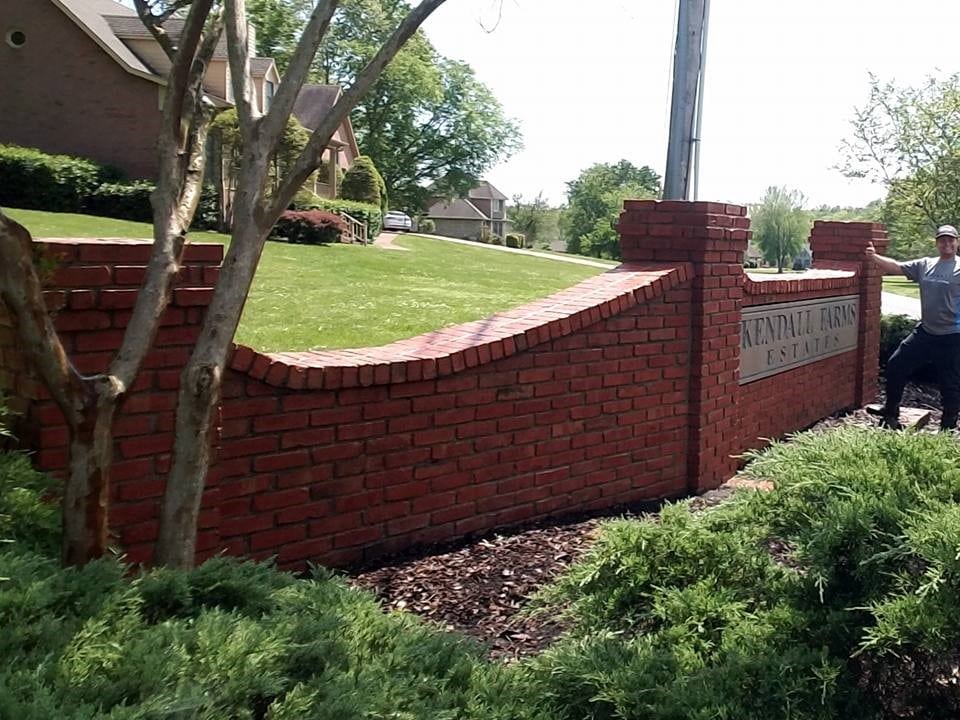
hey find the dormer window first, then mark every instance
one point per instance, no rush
(16, 39)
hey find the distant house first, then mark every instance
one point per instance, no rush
(86, 78)
(483, 210)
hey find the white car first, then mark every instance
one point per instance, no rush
(399, 221)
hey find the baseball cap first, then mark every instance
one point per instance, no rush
(948, 230)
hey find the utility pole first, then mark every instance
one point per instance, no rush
(688, 67)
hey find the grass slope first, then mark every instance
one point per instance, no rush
(350, 296)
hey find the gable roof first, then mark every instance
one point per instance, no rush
(486, 191)
(91, 17)
(312, 105)
(127, 27)
(456, 209)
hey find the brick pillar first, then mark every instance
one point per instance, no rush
(841, 245)
(713, 238)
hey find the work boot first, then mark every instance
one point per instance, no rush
(891, 422)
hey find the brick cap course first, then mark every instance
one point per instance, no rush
(447, 351)
(816, 279)
(80, 250)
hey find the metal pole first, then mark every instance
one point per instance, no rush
(686, 70)
(698, 123)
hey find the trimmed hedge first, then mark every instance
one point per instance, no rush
(34, 180)
(125, 201)
(364, 212)
(426, 225)
(515, 240)
(310, 227)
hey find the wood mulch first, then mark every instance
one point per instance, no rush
(481, 588)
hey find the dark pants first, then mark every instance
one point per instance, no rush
(920, 348)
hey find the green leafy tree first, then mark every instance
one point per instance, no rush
(595, 200)
(278, 25)
(908, 140)
(780, 225)
(536, 220)
(430, 126)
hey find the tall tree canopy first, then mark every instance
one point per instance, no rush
(780, 225)
(595, 200)
(430, 126)
(908, 139)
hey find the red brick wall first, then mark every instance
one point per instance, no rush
(624, 387)
(63, 94)
(585, 412)
(93, 292)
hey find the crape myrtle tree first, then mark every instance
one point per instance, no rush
(89, 403)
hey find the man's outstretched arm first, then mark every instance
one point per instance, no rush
(888, 265)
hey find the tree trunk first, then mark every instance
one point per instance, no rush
(201, 380)
(87, 492)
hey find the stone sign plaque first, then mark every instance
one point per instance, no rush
(777, 338)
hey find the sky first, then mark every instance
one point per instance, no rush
(589, 82)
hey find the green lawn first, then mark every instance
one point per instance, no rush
(352, 296)
(901, 286)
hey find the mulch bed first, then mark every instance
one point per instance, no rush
(479, 589)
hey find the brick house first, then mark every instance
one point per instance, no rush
(484, 208)
(85, 78)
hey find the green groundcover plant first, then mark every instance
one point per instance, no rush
(833, 596)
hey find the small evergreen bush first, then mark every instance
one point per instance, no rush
(309, 227)
(363, 183)
(514, 240)
(426, 225)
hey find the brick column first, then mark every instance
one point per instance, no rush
(841, 245)
(713, 238)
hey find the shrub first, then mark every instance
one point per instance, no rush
(364, 212)
(56, 183)
(515, 240)
(834, 595)
(310, 227)
(126, 201)
(363, 183)
(495, 239)
(426, 225)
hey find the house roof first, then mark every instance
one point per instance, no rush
(312, 105)
(128, 27)
(91, 17)
(260, 66)
(456, 209)
(486, 191)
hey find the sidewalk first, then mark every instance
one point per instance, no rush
(385, 239)
(893, 304)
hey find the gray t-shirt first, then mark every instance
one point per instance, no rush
(939, 293)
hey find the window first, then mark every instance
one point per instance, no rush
(268, 91)
(498, 206)
(16, 39)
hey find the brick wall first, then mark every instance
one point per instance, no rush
(622, 388)
(64, 94)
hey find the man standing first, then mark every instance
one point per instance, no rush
(937, 338)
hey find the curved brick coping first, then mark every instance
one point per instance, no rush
(844, 275)
(446, 351)
(120, 250)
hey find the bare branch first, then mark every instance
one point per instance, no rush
(298, 69)
(310, 157)
(239, 55)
